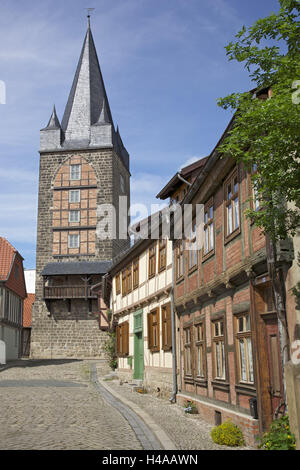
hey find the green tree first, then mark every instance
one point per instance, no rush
(265, 134)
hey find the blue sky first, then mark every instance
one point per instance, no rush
(164, 66)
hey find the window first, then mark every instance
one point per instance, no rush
(135, 273)
(129, 279)
(187, 351)
(219, 349)
(244, 348)
(153, 330)
(208, 227)
(232, 204)
(193, 252)
(162, 256)
(179, 259)
(200, 350)
(74, 216)
(152, 261)
(122, 184)
(255, 194)
(118, 284)
(123, 339)
(124, 282)
(74, 196)
(166, 327)
(75, 172)
(73, 241)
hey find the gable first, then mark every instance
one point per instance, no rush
(16, 279)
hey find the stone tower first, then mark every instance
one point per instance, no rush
(83, 164)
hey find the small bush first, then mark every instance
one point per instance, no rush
(228, 434)
(190, 408)
(109, 348)
(279, 437)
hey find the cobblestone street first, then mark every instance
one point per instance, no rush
(55, 406)
(60, 405)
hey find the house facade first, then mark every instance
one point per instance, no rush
(228, 325)
(141, 284)
(83, 166)
(12, 295)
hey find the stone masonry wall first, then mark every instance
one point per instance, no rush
(59, 334)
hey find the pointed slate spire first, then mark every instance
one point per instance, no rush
(51, 136)
(87, 97)
(103, 118)
(53, 121)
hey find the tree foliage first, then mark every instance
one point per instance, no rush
(266, 131)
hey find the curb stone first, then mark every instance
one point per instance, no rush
(157, 438)
(160, 434)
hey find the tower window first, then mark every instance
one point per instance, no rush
(73, 241)
(74, 216)
(122, 184)
(75, 172)
(74, 196)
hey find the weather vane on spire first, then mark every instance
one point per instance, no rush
(89, 11)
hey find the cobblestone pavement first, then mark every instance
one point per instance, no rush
(54, 405)
(188, 432)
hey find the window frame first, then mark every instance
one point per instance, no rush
(200, 343)
(152, 327)
(179, 258)
(193, 253)
(219, 339)
(122, 339)
(210, 226)
(152, 261)
(162, 254)
(135, 273)
(79, 172)
(74, 211)
(129, 279)
(244, 335)
(187, 357)
(118, 284)
(230, 181)
(69, 241)
(124, 281)
(166, 327)
(74, 191)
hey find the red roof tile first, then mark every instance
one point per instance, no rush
(27, 311)
(7, 252)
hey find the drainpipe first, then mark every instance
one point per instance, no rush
(182, 179)
(173, 325)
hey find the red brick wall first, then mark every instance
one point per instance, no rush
(16, 282)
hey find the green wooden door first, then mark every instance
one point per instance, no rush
(138, 372)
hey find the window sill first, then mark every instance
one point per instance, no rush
(246, 389)
(163, 268)
(189, 379)
(219, 384)
(201, 382)
(151, 276)
(233, 234)
(193, 269)
(208, 255)
(179, 279)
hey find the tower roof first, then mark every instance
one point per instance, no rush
(87, 96)
(87, 121)
(53, 121)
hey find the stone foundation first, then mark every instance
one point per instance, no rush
(207, 411)
(158, 380)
